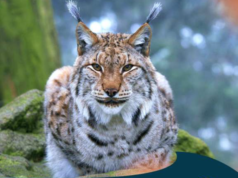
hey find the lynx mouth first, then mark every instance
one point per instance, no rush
(111, 102)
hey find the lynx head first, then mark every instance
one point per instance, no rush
(112, 73)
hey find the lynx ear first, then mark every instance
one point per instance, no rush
(85, 37)
(140, 40)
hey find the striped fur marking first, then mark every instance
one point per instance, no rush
(142, 134)
(97, 141)
(136, 116)
(92, 120)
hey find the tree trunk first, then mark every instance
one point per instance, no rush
(28, 46)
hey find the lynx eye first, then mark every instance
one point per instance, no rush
(97, 67)
(127, 68)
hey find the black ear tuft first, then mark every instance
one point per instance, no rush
(85, 37)
(74, 11)
(154, 12)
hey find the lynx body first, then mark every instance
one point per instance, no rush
(111, 110)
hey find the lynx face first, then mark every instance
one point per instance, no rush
(111, 72)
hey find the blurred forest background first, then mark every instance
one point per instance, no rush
(194, 44)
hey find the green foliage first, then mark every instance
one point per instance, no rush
(29, 51)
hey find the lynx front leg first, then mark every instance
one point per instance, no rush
(59, 165)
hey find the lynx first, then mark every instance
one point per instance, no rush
(111, 110)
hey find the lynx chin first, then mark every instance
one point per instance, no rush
(111, 110)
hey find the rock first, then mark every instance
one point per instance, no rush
(30, 146)
(24, 114)
(13, 166)
(191, 144)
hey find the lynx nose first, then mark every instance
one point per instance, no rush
(111, 91)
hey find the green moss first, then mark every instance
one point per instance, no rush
(16, 166)
(111, 174)
(191, 144)
(28, 146)
(20, 167)
(24, 114)
(173, 157)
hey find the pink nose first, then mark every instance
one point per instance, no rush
(111, 91)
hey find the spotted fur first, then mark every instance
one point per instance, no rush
(87, 131)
